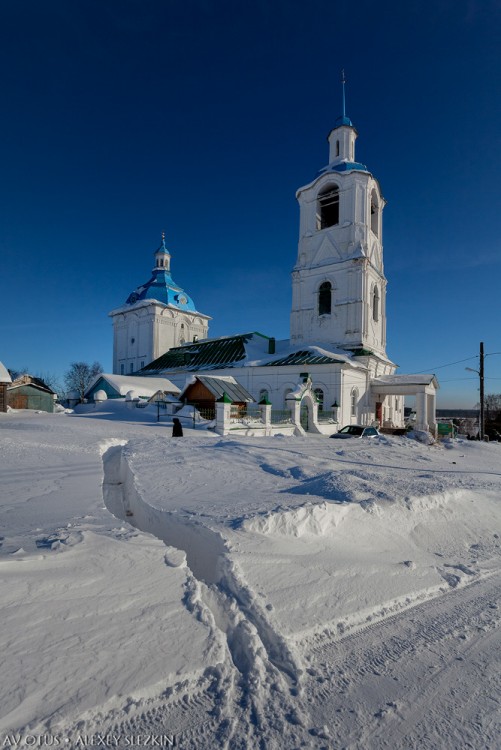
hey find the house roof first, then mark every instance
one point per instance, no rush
(220, 385)
(145, 387)
(210, 354)
(4, 374)
(31, 380)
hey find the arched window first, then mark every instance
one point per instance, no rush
(375, 304)
(337, 148)
(325, 298)
(328, 207)
(263, 394)
(354, 402)
(320, 398)
(375, 213)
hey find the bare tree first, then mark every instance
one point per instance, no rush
(15, 374)
(492, 403)
(80, 376)
(51, 380)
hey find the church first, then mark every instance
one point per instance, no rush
(334, 369)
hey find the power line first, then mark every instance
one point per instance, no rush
(440, 367)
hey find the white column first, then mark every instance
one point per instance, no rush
(223, 411)
(421, 411)
(431, 405)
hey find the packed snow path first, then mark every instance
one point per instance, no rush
(274, 593)
(270, 695)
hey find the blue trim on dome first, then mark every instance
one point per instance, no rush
(344, 166)
(347, 166)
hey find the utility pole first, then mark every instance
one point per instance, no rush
(481, 373)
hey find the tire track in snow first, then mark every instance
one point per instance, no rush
(399, 684)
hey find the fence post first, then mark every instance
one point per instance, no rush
(223, 410)
(266, 417)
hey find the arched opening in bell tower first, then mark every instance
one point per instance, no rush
(375, 213)
(325, 298)
(375, 304)
(328, 207)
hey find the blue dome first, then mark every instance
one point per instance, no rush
(162, 286)
(343, 120)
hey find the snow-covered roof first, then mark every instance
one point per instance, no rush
(419, 379)
(219, 385)
(249, 350)
(145, 387)
(4, 374)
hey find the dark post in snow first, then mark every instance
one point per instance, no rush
(481, 373)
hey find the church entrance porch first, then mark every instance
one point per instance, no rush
(422, 387)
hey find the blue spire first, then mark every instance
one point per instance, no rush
(343, 120)
(162, 247)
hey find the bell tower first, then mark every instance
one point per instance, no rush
(338, 282)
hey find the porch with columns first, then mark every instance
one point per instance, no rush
(423, 387)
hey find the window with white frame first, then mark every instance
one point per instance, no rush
(354, 402)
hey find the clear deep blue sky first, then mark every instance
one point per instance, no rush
(123, 118)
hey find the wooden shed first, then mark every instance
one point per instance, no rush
(28, 392)
(205, 390)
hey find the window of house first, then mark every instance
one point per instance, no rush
(286, 403)
(122, 369)
(374, 213)
(328, 207)
(131, 367)
(354, 401)
(263, 393)
(320, 398)
(325, 298)
(375, 304)
(142, 364)
(337, 148)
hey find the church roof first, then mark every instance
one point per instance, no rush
(244, 350)
(210, 354)
(305, 357)
(162, 286)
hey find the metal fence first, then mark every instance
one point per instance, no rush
(326, 417)
(246, 413)
(281, 416)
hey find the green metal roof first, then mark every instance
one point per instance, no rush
(210, 354)
(220, 387)
(304, 358)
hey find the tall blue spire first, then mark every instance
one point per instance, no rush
(343, 120)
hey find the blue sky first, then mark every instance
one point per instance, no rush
(123, 118)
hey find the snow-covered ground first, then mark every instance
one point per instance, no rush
(278, 592)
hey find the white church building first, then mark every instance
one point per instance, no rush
(335, 362)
